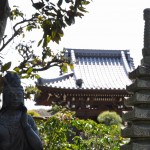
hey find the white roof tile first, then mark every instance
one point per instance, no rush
(98, 69)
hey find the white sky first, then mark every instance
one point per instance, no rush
(110, 24)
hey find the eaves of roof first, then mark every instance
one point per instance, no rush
(83, 91)
(102, 70)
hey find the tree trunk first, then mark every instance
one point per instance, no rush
(4, 13)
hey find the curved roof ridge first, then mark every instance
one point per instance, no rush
(60, 78)
(99, 71)
(101, 50)
(130, 61)
(125, 63)
(96, 52)
(88, 49)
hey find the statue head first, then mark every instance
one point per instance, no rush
(13, 94)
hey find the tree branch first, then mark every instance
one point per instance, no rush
(49, 65)
(16, 32)
(23, 21)
(9, 40)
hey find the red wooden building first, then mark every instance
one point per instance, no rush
(97, 82)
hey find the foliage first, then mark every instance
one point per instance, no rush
(31, 90)
(66, 132)
(109, 118)
(56, 108)
(48, 18)
(51, 19)
(33, 113)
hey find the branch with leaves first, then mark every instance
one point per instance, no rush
(49, 17)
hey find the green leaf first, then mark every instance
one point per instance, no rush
(17, 69)
(53, 34)
(59, 3)
(57, 38)
(48, 38)
(85, 2)
(64, 67)
(71, 66)
(37, 76)
(67, 21)
(29, 28)
(67, 1)
(45, 42)
(61, 34)
(79, 14)
(6, 66)
(39, 43)
(82, 9)
(29, 70)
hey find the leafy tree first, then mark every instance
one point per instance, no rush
(48, 18)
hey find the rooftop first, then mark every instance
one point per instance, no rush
(94, 70)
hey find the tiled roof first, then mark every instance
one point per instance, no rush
(94, 69)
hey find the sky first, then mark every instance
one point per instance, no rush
(110, 24)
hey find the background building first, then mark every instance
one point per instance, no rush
(97, 82)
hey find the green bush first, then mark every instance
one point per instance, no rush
(33, 113)
(66, 132)
(56, 108)
(109, 118)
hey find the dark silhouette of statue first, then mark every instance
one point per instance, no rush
(17, 129)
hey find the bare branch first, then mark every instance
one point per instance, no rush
(9, 40)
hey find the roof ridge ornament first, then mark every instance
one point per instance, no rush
(125, 63)
(73, 58)
(79, 82)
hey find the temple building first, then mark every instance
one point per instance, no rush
(97, 82)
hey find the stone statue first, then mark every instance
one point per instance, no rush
(17, 129)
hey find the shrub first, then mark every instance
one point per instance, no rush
(55, 108)
(33, 113)
(66, 132)
(109, 118)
